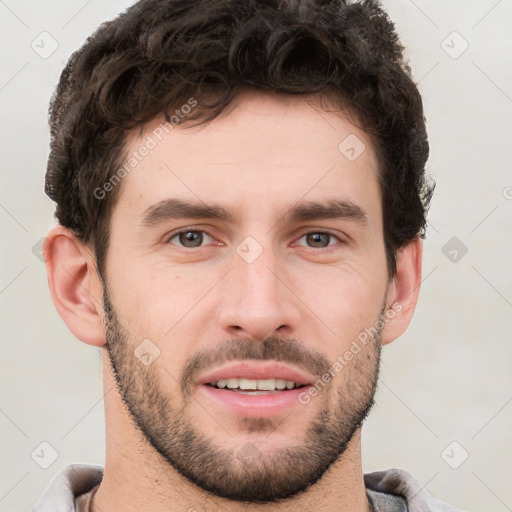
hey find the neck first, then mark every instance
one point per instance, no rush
(136, 477)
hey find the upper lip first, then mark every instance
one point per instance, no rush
(256, 370)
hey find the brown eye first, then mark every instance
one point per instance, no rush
(319, 239)
(190, 239)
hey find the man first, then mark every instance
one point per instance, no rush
(241, 200)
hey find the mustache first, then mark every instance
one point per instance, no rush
(270, 349)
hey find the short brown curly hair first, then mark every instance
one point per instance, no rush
(159, 53)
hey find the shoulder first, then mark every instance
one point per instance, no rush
(71, 481)
(401, 483)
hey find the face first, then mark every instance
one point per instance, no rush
(246, 258)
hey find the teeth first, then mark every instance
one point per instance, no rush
(253, 384)
(247, 384)
(232, 383)
(280, 383)
(267, 384)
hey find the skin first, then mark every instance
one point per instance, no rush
(258, 159)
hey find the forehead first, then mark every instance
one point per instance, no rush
(264, 151)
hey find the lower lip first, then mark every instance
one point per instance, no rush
(254, 406)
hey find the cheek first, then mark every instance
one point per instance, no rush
(156, 300)
(345, 299)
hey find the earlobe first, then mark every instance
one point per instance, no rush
(403, 291)
(74, 284)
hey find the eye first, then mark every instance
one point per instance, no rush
(195, 238)
(319, 239)
(189, 238)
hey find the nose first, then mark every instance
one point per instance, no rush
(258, 298)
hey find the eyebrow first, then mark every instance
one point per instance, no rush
(173, 208)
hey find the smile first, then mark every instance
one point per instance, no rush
(255, 386)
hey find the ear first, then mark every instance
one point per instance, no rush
(75, 285)
(403, 291)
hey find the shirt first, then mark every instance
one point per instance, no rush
(393, 490)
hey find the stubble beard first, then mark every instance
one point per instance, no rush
(243, 472)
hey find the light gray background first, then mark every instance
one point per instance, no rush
(448, 379)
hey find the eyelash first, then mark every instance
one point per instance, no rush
(327, 249)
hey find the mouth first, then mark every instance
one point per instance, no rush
(254, 389)
(255, 386)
